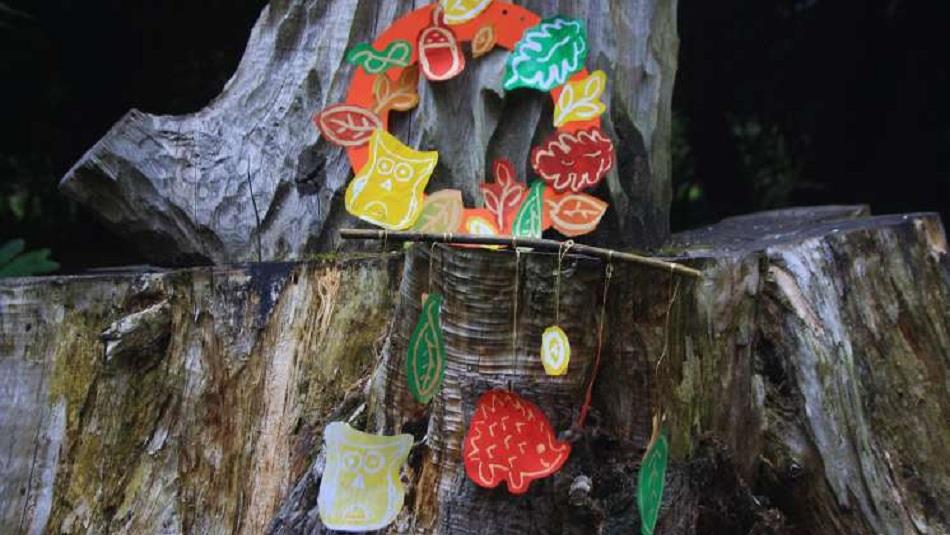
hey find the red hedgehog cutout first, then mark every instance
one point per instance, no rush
(509, 439)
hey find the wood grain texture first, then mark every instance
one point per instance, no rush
(249, 175)
(203, 434)
(805, 380)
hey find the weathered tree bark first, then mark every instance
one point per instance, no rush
(805, 382)
(248, 177)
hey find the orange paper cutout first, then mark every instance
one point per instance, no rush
(574, 214)
(509, 439)
(480, 222)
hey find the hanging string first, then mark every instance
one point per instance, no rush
(674, 290)
(431, 270)
(562, 251)
(514, 313)
(585, 408)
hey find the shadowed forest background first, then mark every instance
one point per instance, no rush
(777, 103)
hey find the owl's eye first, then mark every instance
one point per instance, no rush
(373, 462)
(403, 172)
(384, 166)
(351, 460)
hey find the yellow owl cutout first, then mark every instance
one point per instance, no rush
(388, 190)
(361, 489)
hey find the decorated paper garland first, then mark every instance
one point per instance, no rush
(546, 55)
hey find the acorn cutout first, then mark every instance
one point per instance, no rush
(440, 53)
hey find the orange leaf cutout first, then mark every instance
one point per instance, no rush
(484, 41)
(574, 214)
(401, 95)
(505, 195)
(347, 125)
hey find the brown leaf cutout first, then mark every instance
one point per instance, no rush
(484, 41)
(401, 95)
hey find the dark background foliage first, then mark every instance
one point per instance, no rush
(778, 102)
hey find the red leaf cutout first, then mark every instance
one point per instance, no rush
(505, 195)
(347, 125)
(573, 214)
(574, 161)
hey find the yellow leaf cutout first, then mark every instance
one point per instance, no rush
(388, 190)
(555, 351)
(580, 100)
(462, 11)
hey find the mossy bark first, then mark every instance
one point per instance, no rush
(804, 381)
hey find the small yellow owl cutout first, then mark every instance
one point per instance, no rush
(360, 489)
(388, 190)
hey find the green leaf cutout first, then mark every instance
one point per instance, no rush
(527, 222)
(650, 483)
(547, 55)
(425, 365)
(396, 54)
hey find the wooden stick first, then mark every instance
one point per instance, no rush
(534, 243)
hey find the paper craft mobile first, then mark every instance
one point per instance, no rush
(574, 214)
(346, 125)
(547, 55)
(574, 161)
(425, 365)
(509, 439)
(388, 190)
(580, 101)
(396, 54)
(441, 212)
(462, 11)
(360, 489)
(440, 54)
(651, 479)
(555, 351)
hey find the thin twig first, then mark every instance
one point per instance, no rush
(534, 243)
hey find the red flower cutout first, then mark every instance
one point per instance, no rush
(574, 161)
(505, 195)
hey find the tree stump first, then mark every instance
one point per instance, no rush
(249, 178)
(804, 381)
